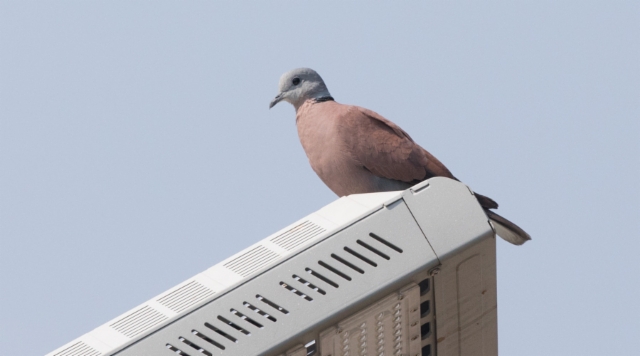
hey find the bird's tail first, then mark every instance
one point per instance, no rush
(507, 230)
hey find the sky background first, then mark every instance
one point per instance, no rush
(137, 150)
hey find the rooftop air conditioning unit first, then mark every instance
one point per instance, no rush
(406, 273)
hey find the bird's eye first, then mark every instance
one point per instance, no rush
(295, 81)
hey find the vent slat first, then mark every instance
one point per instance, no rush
(233, 325)
(347, 263)
(251, 261)
(302, 238)
(385, 242)
(177, 350)
(259, 311)
(79, 349)
(298, 235)
(142, 326)
(139, 321)
(272, 304)
(296, 291)
(334, 270)
(309, 284)
(373, 249)
(360, 256)
(321, 277)
(195, 346)
(218, 331)
(188, 300)
(185, 296)
(246, 318)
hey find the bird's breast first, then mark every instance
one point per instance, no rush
(326, 150)
(330, 157)
(322, 144)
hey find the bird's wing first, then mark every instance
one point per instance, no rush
(386, 150)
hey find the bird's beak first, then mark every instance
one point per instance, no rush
(276, 100)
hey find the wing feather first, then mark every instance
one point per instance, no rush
(386, 150)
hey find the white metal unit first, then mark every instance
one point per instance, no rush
(398, 273)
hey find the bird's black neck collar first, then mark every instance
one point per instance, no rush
(324, 98)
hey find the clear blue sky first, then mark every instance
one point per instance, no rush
(136, 148)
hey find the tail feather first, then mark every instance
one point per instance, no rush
(507, 230)
(486, 202)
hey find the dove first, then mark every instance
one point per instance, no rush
(355, 150)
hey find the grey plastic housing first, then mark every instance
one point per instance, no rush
(281, 293)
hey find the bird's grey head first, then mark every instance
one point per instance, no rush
(299, 85)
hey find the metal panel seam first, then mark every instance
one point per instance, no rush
(422, 231)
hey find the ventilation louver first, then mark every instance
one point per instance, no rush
(298, 235)
(185, 296)
(251, 261)
(78, 349)
(139, 321)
